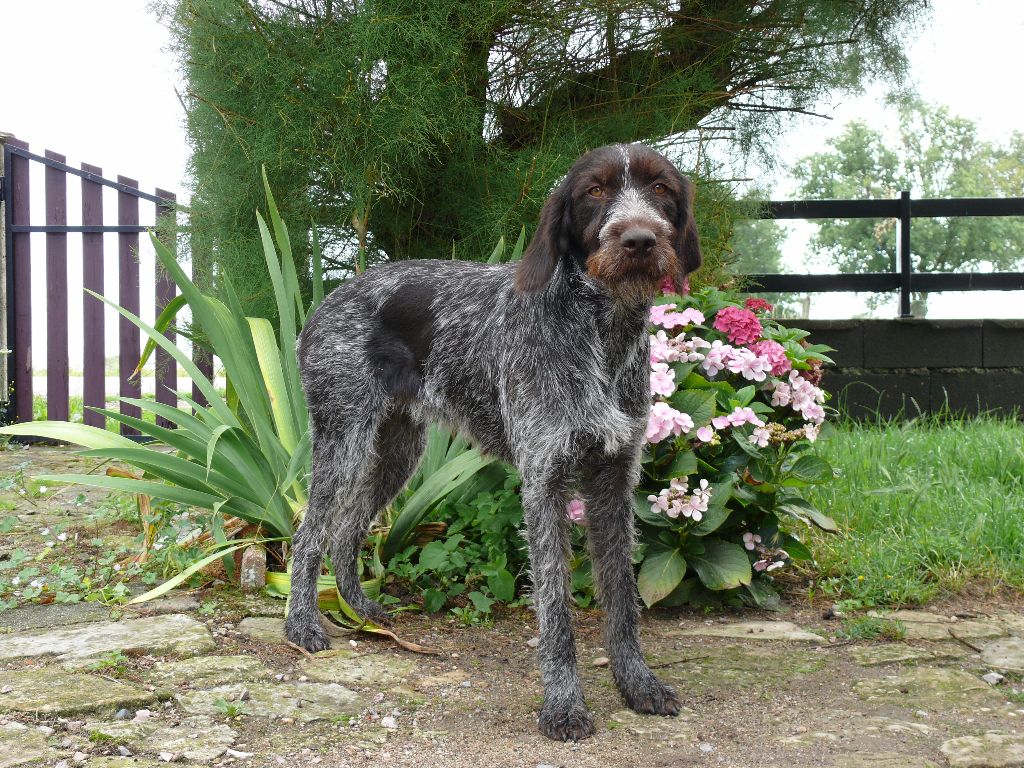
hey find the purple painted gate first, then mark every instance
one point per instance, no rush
(19, 224)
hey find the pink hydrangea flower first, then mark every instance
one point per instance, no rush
(756, 304)
(577, 511)
(751, 540)
(759, 437)
(666, 316)
(752, 367)
(706, 434)
(677, 500)
(741, 326)
(716, 357)
(664, 420)
(775, 354)
(737, 418)
(663, 379)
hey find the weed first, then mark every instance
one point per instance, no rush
(230, 708)
(113, 663)
(872, 628)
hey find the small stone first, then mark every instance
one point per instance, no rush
(455, 655)
(601, 661)
(705, 747)
(993, 678)
(303, 679)
(79, 757)
(122, 714)
(6, 689)
(238, 755)
(389, 722)
(74, 725)
(466, 684)
(142, 714)
(533, 642)
(46, 730)
(125, 752)
(253, 575)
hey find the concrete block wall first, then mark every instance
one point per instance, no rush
(893, 367)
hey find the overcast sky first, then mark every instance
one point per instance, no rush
(96, 81)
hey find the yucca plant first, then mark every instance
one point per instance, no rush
(245, 453)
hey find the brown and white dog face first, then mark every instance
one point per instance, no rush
(624, 215)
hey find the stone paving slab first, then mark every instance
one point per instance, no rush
(192, 739)
(1006, 655)
(175, 634)
(752, 630)
(992, 750)
(21, 744)
(928, 688)
(376, 670)
(52, 691)
(880, 760)
(206, 671)
(301, 701)
(889, 653)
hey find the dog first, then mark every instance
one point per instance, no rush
(543, 364)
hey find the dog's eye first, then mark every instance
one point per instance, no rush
(595, 192)
(660, 189)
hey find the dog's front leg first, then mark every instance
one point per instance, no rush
(564, 716)
(608, 487)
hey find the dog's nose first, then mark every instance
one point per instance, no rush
(638, 239)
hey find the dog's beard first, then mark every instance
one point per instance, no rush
(630, 278)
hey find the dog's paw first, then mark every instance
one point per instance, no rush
(308, 634)
(651, 697)
(563, 724)
(373, 611)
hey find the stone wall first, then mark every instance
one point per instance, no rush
(913, 366)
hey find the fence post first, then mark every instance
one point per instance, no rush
(20, 286)
(905, 253)
(128, 297)
(6, 289)
(166, 366)
(57, 395)
(94, 364)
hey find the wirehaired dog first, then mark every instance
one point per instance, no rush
(543, 364)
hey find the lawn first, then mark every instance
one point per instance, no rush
(926, 506)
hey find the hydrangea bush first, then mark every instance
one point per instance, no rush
(735, 410)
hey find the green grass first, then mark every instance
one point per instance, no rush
(926, 505)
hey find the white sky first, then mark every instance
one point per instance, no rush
(96, 82)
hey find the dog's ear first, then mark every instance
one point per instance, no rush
(687, 239)
(552, 239)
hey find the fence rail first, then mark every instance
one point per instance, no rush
(15, 193)
(904, 209)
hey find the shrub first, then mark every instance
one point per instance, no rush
(735, 409)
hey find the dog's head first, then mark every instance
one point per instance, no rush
(624, 215)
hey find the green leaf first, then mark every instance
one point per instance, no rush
(434, 556)
(811, 469)
(723, 565)
(269, 359)
(795, 548)
(699, 404)
(77, 434)
(806, 512)
(660, 573)
(762, 595)
(163, 322)
(433, 600)
(502, 585)
(481, 602)
(745, 395)
(683, 463)
(496, 254)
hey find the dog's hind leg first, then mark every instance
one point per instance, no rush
(607, 486)
(564, 715)
(398, 446)
(339, 460)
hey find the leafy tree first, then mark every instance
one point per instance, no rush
(934, 154)
(426, 128)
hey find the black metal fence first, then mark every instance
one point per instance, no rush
(904, 279)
